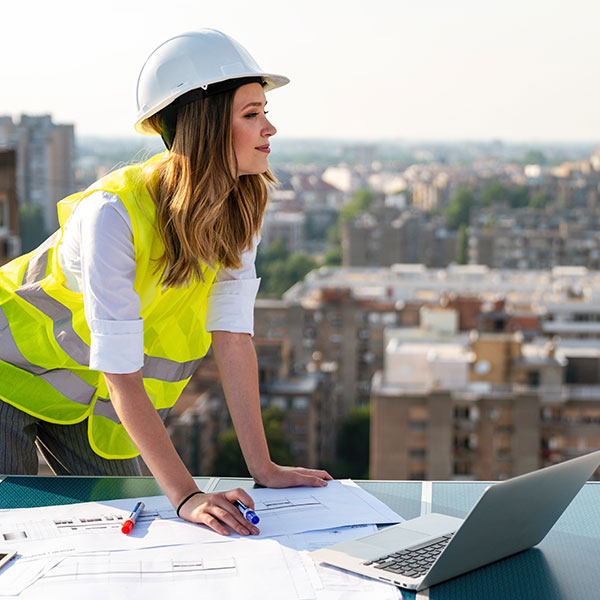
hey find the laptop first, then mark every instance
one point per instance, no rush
(509, 517)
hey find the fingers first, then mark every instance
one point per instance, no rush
(218, 512)
(321, 474)
(281, 477)
(241, 495)
(313, 477)
(228, 515)
(313, 481)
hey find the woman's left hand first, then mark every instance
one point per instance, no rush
(276, 476)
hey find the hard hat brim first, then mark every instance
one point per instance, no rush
(271, 82)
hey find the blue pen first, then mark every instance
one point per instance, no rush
(248, 513)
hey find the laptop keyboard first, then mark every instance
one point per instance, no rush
(414, 561)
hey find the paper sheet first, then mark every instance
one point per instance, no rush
(237, 569)
(327, 582)
(151, 573)
(48, 532)
(281, 512)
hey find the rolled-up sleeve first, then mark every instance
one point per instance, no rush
(117, 346)
(231, 306)
(232, 295)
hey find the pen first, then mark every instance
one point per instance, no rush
(132, 518)
(248, 513)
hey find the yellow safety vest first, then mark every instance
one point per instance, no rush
(45, 340)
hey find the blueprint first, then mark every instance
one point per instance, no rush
(247, 568)
(53, 540)
(232, 570)
(281, 512)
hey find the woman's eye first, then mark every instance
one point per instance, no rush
(254, 114)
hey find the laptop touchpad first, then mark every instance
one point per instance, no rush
(394, 536)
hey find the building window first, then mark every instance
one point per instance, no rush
(533, 378)
(335, 339)
(463, 469)
(418, 453)
(300, 403)
(279, 402)
(3, 210)
(417, 425)
(388, 318)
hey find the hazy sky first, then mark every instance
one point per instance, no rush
(366, 69)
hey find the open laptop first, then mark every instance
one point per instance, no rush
(509, 517)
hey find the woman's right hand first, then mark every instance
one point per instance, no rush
(218, 511)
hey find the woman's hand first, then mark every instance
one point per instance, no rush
(276, 476)
(218, 512)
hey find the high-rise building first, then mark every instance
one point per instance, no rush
(9, 214)
(45, 156)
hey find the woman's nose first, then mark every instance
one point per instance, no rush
(269, 128)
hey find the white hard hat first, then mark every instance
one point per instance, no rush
(191, 61)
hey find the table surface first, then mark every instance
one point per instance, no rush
(563, 566)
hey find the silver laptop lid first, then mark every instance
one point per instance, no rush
(512, 516)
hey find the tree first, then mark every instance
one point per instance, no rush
(279, 449)
(333, 256)
(276, 251)
(361, 200)
(297, 266)
(230, 460)
(353, 445)
(539, 200)
(499, 193)
(459, 210)
(519, 197)
(462, 245)
(280, 270)
(495, 193)
(334, 235)
(535, 157)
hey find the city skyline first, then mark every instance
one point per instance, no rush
(386, 71)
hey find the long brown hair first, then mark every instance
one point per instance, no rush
(207, 215)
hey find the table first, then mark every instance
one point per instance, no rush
(565, 566)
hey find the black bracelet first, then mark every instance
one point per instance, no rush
(186, 499)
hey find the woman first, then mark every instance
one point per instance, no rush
(102, 326)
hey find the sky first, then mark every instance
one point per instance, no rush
(367, 70)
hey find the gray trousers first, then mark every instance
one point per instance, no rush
(65, 448)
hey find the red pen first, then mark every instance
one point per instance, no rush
(132, 518)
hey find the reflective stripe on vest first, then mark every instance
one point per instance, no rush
(165, 369)
(38, 263)
(62, 380)
(62, 318)
(66, 337)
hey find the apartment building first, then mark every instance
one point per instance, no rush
(289, 227)
(9, 211)
(384, 236)
(334, 337)
(45, 155)
(484, 406)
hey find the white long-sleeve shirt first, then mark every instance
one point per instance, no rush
(97, 257)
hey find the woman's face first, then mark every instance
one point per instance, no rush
(251, 130)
